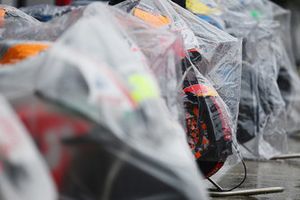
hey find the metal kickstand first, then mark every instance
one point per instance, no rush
(219, 191)
(286, 156)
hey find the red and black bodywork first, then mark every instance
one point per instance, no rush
(207, 122)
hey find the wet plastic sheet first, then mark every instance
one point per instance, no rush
(203, 71)
(115, 90)
(163, 62)
(211, 43)
(13, 18)
(15, 51)
(163, 69)
(262, 117)
(221, 55)
(259, 21)
(208, 11)
(23, 173)
(289, 79)
(163, 59)
(34, 29)
(266, 10)
(294, 110)
(46, 12)
(294, 6)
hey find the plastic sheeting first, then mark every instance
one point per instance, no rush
(15, 51)
(294, 7)
(225, 79)
(209, 41)
(294, 110)
(269, 96)
(224, 72)
(35, 30)
(210, 113)
(164, 60)
(12, 18)
(287, 78)
(23, 173)
(91, 69)
(261, 100)
(266, 10)
(45, 12)
(207, 11)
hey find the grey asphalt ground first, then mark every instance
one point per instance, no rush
(282, 173)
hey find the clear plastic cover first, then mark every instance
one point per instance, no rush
(221, 60)
(170, 74)
(221, 53)
(294, 6)
(12, 19)
(269, 90)
(210, 81)
(13, 51)
(288, 78)
(207, 10)
(24, 174)
(92, 70)
(262, 107)
(46, 12)
(34, 29)
(163, 59)
(263, 10)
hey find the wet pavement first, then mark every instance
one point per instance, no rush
(269, 174)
